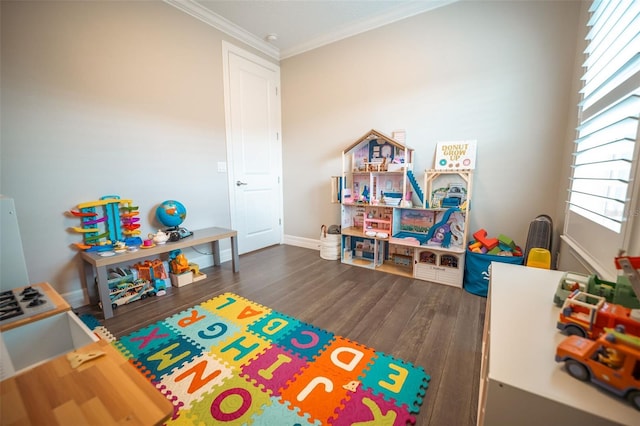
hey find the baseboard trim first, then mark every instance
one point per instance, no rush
(309, 243)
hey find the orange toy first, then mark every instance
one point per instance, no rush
(611, 362)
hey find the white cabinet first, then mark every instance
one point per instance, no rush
(520, 382)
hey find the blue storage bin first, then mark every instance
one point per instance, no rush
(476, 270)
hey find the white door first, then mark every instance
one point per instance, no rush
(254, 151)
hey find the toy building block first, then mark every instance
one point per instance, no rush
(475, 246)
(481, 236)
(506, 243)
(495, 250)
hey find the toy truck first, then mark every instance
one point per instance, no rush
(587, 315)
(612, 361)
(128, 293)
(621, 292)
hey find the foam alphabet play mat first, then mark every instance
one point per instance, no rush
(233, 361)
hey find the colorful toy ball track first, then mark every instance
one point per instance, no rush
(99, 233)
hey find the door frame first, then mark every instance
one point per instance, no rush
(227, 49)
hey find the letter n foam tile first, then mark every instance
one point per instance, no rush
(396, 379)
(195, 378)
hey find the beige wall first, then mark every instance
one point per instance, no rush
(126, 98)
(498, 72)
(108, 98)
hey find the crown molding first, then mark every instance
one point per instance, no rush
(404, 11)
(194, 9)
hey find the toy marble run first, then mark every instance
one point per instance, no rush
(106, 221)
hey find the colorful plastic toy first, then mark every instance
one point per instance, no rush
(587, 315)
(99, 233)
(620, 292)
(178, 262)
(612, 361)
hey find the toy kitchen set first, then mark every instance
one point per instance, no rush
(49, 358)
(36, 323)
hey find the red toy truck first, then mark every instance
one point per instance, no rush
(587, 315)
(612, 361)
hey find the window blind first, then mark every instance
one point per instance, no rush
(605, 156)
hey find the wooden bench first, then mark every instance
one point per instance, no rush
(96, 264)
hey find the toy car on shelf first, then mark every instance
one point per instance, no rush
(619, 292)
(130, 292)
(612, 362)
(587, 315)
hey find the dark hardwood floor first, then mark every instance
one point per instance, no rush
(435, 326)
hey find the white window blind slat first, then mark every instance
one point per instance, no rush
(606, 150)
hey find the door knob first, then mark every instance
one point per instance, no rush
(239, 183)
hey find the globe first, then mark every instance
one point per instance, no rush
(171, 213)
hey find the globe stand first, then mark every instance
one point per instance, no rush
(177, 233)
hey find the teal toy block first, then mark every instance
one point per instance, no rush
(506, 243)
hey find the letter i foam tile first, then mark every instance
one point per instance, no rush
(230, 361)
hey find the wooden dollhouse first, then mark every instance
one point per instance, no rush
(390, 224)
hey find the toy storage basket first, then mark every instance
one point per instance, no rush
(477, 271)
(329, 244)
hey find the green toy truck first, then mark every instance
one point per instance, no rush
(621, 292)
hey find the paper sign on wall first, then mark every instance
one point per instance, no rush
(456, 155)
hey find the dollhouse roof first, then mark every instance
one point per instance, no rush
(374, 134)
